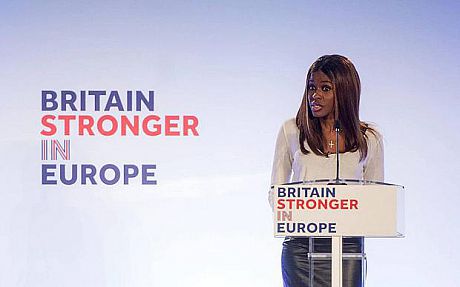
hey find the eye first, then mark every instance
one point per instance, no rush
(311, 87)
(326, 88)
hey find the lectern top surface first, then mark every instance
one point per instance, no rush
(341, 181)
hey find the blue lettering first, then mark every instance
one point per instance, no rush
(114, 101)
(85, 175)
(281, 192)
(146, 173)
(140, 98)
(49, 97)
(280, 227)
(46, 173)
(71, 101)
(128, 174)
(73, 177)
(103, 177)
(332, 227)
(97, 99)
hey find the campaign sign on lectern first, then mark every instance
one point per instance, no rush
(370, 210)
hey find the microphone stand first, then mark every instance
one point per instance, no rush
(336, 241)
(337, 153)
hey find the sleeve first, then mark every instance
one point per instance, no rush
(374, 166)
(282, 163)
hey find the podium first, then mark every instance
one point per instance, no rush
(331, 209)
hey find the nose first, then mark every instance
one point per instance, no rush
(315, 96)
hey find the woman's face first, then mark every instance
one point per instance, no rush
(320, 93)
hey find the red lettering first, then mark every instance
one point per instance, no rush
(322, 204)
(133, 127)
(334, 204)
(299, 204)
(353, 204)
(290, 201)
(47, 121)
(281, 204)
(190, 124)
(311, 204)
(85, 122)
(66, 119)
(100, 125)
(145, 126)
(169, 125)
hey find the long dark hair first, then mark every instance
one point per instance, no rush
(347, 92)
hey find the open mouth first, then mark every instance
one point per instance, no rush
(315, 107)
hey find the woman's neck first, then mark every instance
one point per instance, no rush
(327, 124)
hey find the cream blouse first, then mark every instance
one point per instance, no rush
(291, 165)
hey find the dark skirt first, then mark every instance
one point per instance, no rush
(297, 264)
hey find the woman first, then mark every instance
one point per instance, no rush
(305, 150)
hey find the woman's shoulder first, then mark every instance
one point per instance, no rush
(373, 133)
(290, 124)
(289, 133)
(290, 127)
(371, 128)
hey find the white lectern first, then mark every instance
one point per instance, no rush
(326, 208)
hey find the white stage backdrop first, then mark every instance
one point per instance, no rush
(236, 69)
